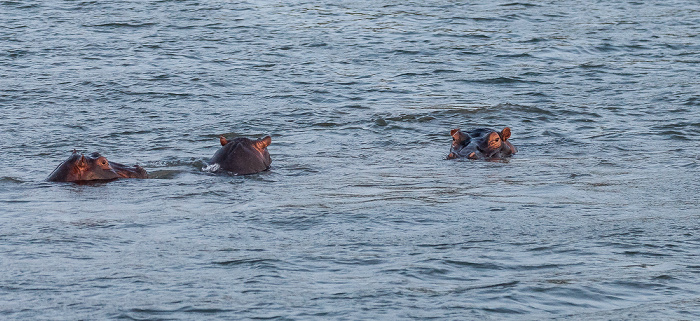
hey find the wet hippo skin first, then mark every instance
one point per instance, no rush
(481, 143)
(81, 168)
(243, 156)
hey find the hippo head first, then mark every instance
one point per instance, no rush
(79, 168)
(492, 143)
(482, 143)
(243, 156)
(459, 138)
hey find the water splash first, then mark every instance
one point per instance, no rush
(211, 168)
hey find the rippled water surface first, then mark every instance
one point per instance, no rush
(360, 217)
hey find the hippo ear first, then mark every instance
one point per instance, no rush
(82, 162)
(223, 140)
(263, 142)
(452, 132)
(505, 133)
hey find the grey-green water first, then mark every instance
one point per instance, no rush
(360, 217)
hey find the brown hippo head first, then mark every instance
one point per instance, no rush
(481, 143)
(459, 138)
(81, 168)
(491, 144)
(243, 156)
(459, 141)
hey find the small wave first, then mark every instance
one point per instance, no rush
(264, 66)
(522, 4)
(487, 19)
(11, 180)
(326, 124)
(163, 174)
(645, 253)
(475, 265)
(693, 101)
(501, 81)
(188, 309)
(122, 25)
(212, 168)
(405, 52)
(535, 40)
(445, 71)
(154, 94)
(592, 65)
(93, 223)
(515, 55)
(315, 44)
(17, 53)
(411, 118)
(20, 4)
(412, 74)
(691, 165)
(190, 162)
(675, 131)
(259, 263)
(383, 121)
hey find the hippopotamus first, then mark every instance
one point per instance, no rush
(81, 168)
(242, 156)
(481, 143)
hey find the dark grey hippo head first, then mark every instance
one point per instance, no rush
(81, 168)
(243, 156)
(481, 143)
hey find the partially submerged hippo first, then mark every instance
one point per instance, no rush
(81, 168)
(481, 143)
(243, 156)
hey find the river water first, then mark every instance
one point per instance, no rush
(360, 217)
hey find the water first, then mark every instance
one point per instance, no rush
(360, 217)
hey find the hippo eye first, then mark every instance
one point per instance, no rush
(102, 161)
